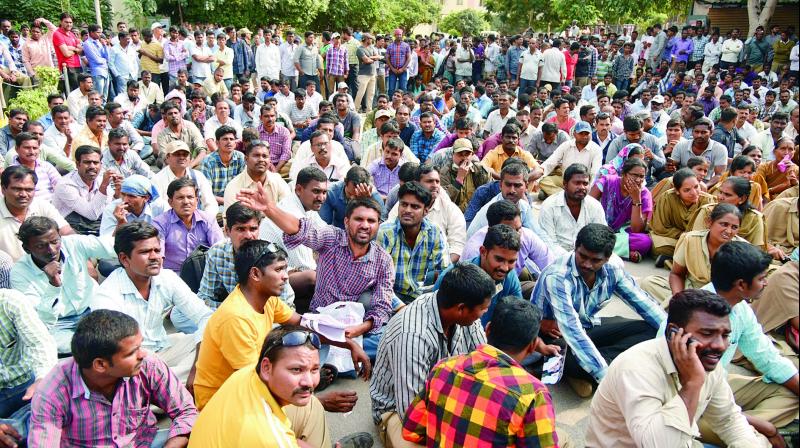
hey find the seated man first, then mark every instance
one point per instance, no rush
(139, 201)
(508, 148)
(272, 403)
(534, 255)
(580, 150)
(544, 142)
(27, 149)
(462, 174)
(183, 227)
(147, 293)
(513, 187)
(18, 204)
(387, 131)
(54, 277)
(520, 412)
(446, 215)
(256, 158)
(247, 315)
(781, 224)
(384, 170)
(655, 393)
(777, 310)
(435, 326)
(497, 257)
(739, 275)
(81, 196)
(339, 152)
(426, 138)
(321, 157)
(417, 246)
(355, 267)
(572, 291)
(121, 158)
(31, 352)
(177, 165)
(565, 213)
(102, 396)
(223, 164)
(219, 275)
(356, 185)
(176, 128)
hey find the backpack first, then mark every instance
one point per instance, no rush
(193, 267)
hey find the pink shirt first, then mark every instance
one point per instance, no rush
(572, 61)
(37, 52)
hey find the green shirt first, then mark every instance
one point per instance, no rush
(352, 46)
(26, 348)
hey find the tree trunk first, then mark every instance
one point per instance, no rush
(758, 18)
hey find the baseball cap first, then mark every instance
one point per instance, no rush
(642, 115)
(156, 25)
(383, 114)
(462, 144)
(341, 85)
(657, 99)
(175, 146)
(582, 126)
(335, 35)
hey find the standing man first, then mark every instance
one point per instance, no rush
(368, 58)
(96, 53)
(398, 57)
(308, 62)
(336, 62)
(554, 67)
(288, 70)
(352, 44)
(465, 58)
(68, 49)
(243, 58)
(268, 59)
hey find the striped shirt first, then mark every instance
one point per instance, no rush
(218, 174)
(66, 413)
(413, 264)
(26, 348)
(340, 278)
(499, 404)
(413, 342)
(385, 178)
(564, 296)
(336, 61)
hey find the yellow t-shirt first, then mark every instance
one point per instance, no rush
(232, 340)
(243, 413)
(494, 159)
(154, 48)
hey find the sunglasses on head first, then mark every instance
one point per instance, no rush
(294, 339)
(271, 248)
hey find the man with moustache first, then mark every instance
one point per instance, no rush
(656, 392)
(256, 158)
(81, 195)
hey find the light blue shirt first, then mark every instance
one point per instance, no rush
(119, 65)
(108, 222)
(526, 214)
(73, 297)
(167, 291)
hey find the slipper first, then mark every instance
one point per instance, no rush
(327, 375)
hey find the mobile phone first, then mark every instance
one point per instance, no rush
(674, 330)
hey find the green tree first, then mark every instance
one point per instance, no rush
(343, 13)
(27, 10)
(249, 13)
(406, 14)
(466, 22)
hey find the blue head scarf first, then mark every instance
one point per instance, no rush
(140, 186)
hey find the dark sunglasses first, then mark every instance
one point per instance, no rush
(294, 339)
(271, 248)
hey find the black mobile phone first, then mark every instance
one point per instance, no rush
(673, 331)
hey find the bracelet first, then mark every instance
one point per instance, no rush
(637, 204)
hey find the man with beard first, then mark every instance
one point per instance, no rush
(80, 196)
(417, 246)
(18, 204)
(179, 129)
(573, 289)
(322, 158)
(121, 159)
(256, 158)
(146, 292)
(565, 213)
(113, 381)
(739, 275)
(177, 160)
(656, 392)
(310, 192)
(353, 266)
(53, 275)
(513, 186)
(701, 145)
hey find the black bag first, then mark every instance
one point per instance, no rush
(193, 267)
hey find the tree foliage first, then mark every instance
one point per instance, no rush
(27, 10)
(466, 22)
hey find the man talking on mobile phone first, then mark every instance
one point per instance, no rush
(654, 393)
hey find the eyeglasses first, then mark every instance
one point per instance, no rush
(294, 339)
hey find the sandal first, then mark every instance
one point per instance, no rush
(634, 257)
(327, 375)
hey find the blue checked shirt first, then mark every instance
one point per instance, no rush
(422, 147)
(413, 264)
(218, 174)
(699, 48)
(593, 61)
(243, 58)
(564, 296)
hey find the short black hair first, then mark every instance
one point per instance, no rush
(503, 236)
(95, 111)
(23, 137)
(502, 210)
(408, 172)
(18, 173)
(35, 226)
(179, 183)
(465, 283)
(514, 325)
(223, 131)
(86, 149)
(362, 202)
(357, 175)
(250, 256)
(514, 168)
(576, 169)
(597, 238)
(685, 303)
(737, 260)
(129, 234)
(311, 173)
(98, 335)
(238, 213)
(416, 189)
(117, 134)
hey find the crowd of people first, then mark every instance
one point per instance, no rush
(207, 217)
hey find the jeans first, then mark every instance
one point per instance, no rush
(525, 83)
(397, 82)
(11, 398)
(63, 330)
(622, 84)
(162, 435)
(305, 78)
(120, 85)
(19, 421)
(352, 79)
(101, 85)
(477, 70)
(291, 80)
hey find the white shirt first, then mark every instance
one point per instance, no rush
(313, 101)
(284, 101)
(301, 257)
(213, 123)
(131, 108)
(567, 153)
(794, 59)
(338, 155)
(711, 52)
(200, 69)
(208, 202)
(495, 122)
(554, 68)
(491, 54)
(463, 64)
(268, 61)
(730, 50)
(287, 59)
(747, 132)
(530, 64)
(335, 171)
(589, 93)
(77, 103)
(558, 224)
(55, 140)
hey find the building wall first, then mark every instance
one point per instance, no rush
(449, 6)
(729, 18)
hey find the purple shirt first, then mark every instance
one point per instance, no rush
(383, 177)
(489, 144)
(66, 413)
(708, 104)
(340, 278)
(533, 252)
(280, 143)
(686, 45)
(336, 61)
(177, 242)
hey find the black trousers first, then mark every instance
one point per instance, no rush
(613, 336)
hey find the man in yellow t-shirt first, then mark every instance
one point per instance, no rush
(493, 160)
(151, 55)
